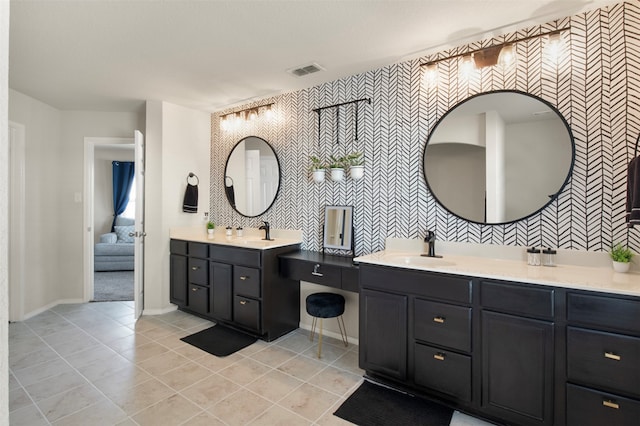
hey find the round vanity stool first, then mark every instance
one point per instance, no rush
(326, 305)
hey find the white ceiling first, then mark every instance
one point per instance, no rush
(107, 55)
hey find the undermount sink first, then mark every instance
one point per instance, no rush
(417, 260)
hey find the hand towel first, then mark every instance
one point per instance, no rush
(633, 193)
(231, 196)
(190, 204)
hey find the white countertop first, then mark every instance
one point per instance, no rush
(600, 278)
(251, 239)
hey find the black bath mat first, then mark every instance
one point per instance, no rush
(374, 405)
(219, 340)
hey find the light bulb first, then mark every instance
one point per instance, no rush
(253, 114)
(268, 114)
(507, 56)
(467, 67)
(224, 123)
(430, 76)
(554, 49)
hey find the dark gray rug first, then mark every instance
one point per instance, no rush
(374, 405)
(219, 340)
(112, 286)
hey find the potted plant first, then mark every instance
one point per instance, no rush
(210, 227)
(621, 256)
(336, 164)
(356, 165)
(317, 168)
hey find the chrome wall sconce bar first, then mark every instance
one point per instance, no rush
(503, 54)
(247, 114)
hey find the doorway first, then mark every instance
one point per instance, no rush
(109, 257)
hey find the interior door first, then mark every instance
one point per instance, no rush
(138, 280)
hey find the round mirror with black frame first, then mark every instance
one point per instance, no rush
(252, 176)
(499, 157)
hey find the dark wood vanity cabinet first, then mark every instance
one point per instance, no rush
(603, 360)
(235, 286)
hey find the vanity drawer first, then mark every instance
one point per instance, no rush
(198, 250)
(609, 313)
(178, 247)
(246, 312)
(518, 299)
(604, 359)
(444, 371)
(443, 324)
(589, 407)
(236, 256)
(350, 277)
(436, 286)
(198, 271)
(198, 299)
(313, 272)
(246, 281)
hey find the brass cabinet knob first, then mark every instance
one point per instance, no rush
(439, 320)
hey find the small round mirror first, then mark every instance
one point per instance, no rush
(499, 157)
(252, 176)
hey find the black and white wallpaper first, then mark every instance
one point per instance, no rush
(596, 86)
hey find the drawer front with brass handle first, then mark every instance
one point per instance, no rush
(605, 360)
(443, 324)
(246, 312)
(198, 299)
(588, 407)
(246, 281)
(444, 371)
(198, 270)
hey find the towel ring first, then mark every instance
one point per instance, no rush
(225, 181)
(193, 175)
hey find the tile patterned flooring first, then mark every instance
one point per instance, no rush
(92, 364)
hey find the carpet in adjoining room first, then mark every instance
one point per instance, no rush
(112, 286)
(375, 405)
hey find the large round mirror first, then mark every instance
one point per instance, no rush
(252, 176)
(498, 157)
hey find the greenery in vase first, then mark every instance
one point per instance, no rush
(356, 158)
(621, 254)
(211, 225)
(337, 162)
(316, 163)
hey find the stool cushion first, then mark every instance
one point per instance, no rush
(325, 305)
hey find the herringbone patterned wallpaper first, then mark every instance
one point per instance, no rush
(596, 87)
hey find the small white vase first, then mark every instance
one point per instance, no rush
(337, 174)
(356, 172)
(621, 266)
(210, 231)
(318, 175)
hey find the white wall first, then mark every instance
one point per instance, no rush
(4, 191)
(177, 142)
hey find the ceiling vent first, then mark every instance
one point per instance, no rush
(305, 69)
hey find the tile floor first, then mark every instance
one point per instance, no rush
(92, 364)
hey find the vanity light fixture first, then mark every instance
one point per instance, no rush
(236, 118)
(503, 54)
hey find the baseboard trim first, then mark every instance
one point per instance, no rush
(166, 310)
(49, 306)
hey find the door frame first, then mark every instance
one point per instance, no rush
(17, 223)
(90, 144)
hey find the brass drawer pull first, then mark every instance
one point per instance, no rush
(610, 404)
(194, 268)
(244, 277)
(194, 289)
(243, 302)
(439, 356)
(439, 320)
(612, 356)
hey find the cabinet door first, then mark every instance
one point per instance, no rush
(178, 280)
(221, 290)
(517, 373)
(383, 333)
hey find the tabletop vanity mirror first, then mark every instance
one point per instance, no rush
(252, 176)
(499, 157)
(338, 227)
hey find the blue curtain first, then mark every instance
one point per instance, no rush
(123, 173)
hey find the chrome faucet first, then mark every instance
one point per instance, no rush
(267, 229)
(430, 239)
